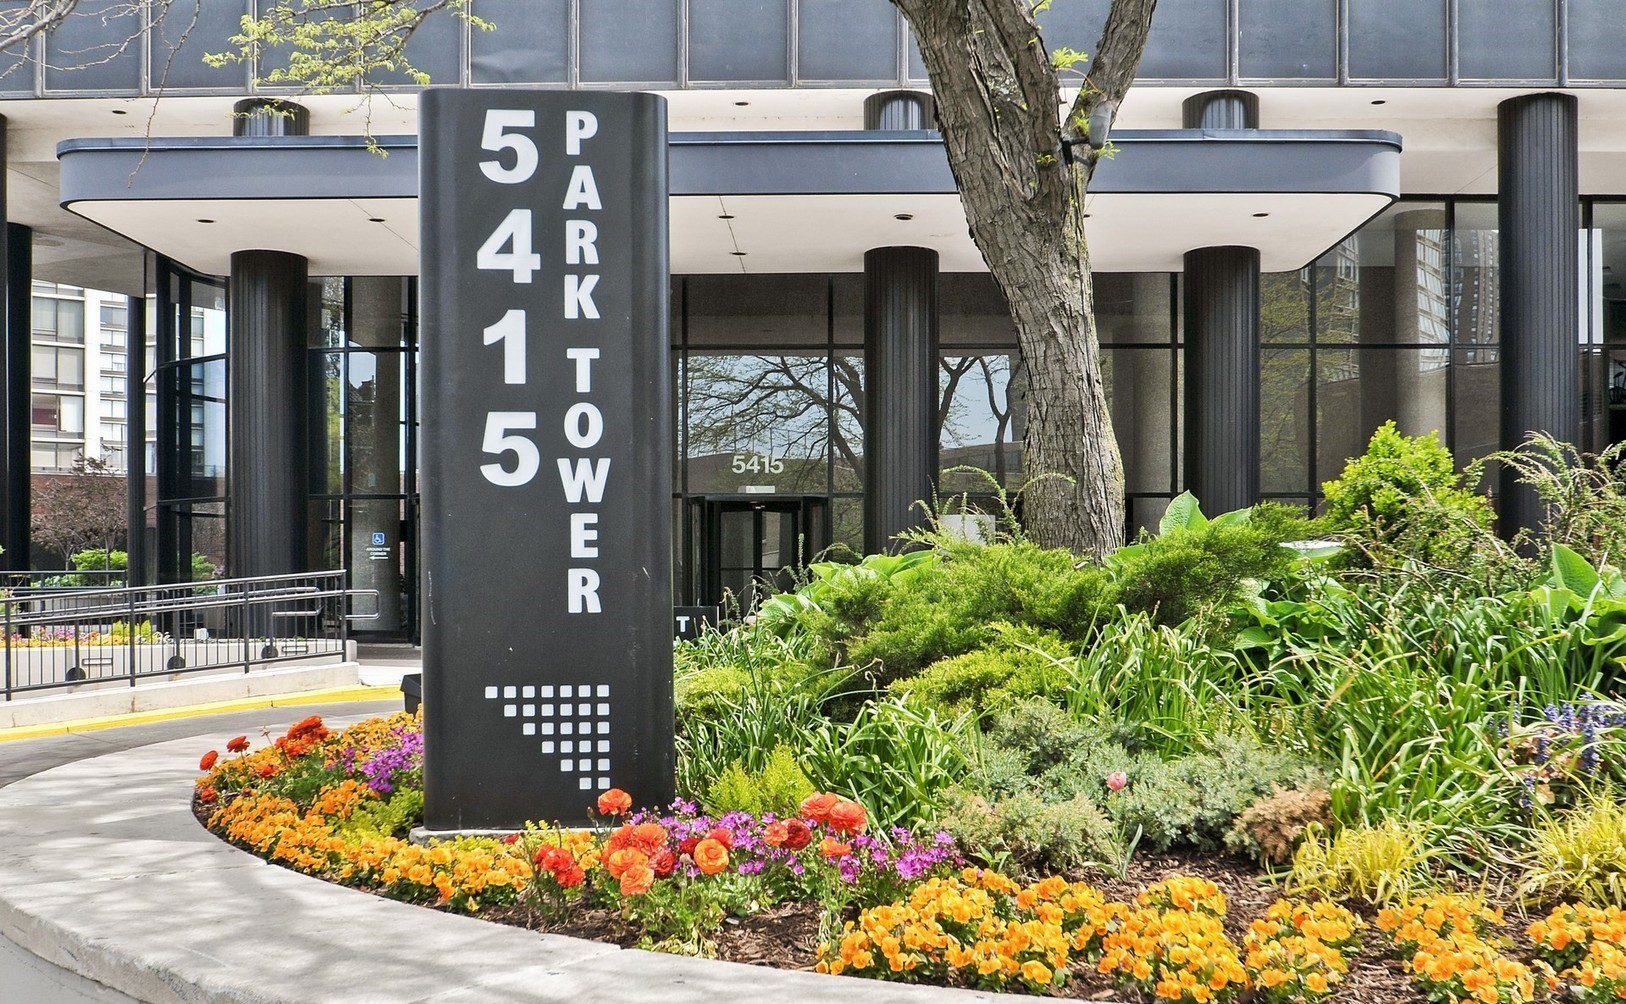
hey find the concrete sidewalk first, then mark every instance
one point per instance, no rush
(106, 874)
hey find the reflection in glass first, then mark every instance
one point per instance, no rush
(980, 417)
(1284, 420)
(1138, 388)
(762, 420)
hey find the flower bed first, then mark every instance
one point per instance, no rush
(897, 905)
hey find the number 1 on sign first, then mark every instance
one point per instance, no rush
(511, 332)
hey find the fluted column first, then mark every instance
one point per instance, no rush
(1538, 217)
(1222, 377)
(1224, 109)
(900, 389)
(269, 465)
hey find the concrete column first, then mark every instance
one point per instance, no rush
(1225, 109)
(270, 117)
(268, 376)
(18, 390)
(900, 110)
(900, 388)
(1222, 377)
(1538, 217)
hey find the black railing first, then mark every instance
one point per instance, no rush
(57, 638)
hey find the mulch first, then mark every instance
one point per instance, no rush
(786, 936)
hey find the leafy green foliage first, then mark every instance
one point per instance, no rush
(393, 818)
(1583, 495)
(778, 787)
(1020, 662)
(1403, 500)
(1026, 833)
(1580, 854)
(895, 759)
(1383, 863)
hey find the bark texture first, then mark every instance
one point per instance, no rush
(1000, 109)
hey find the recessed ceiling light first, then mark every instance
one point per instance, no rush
(742, 104)
(1260, 215)
(904, 216)
(1086, 216)
(738, 254)
(375, 219)
(1380, 101)
(202, 220)
(725, 216)
(120, 111)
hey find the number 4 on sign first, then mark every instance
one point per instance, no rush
(511, 332)
(514, 232)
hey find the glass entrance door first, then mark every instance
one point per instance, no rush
(750, 546)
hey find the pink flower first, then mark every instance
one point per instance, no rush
(1117, 780)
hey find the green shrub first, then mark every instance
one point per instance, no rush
(1194, 800)
(1033, 835)
(1184, 572)
(1385, 863)
(895, 759)
(778, 787)
(1580, 854)
(1271, 828)
(1404, 501)
(394, 817)
(1022, 662)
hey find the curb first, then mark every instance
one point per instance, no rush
(332, 695)
(109, 876)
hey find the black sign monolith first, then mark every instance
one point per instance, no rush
(547, 607)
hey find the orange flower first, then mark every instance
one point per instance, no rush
(817, 807)
(636, 880)
(206, 794)
(710, 856)
(830, 847)
(776, 833)
(722, 836)
(648, 837)
(237, 745)
(847, 817)
(622, 858)
(208, 760)
(614, 802)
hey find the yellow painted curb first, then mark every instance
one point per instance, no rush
(338, 695)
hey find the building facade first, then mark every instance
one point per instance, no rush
(1324, 214)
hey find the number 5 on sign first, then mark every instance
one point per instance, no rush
(497, 440)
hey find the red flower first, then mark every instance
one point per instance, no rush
(267, 770)
(570, 877)
(614, 802)
(206, 794)
(208, 761)
(798, 835)
(620, 837)
(722, 836)
(847, 817)
(554, 858)
(817, 807)
(237, 745)
(310, 728)
(512, 838)
(688, 845)
(663, 863)
(830, 847)
(776, 833)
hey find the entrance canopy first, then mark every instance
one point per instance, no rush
(751, 202)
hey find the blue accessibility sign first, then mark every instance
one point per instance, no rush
(378, 538)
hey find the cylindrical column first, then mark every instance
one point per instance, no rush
(1224, 109)
(270, 117)
(900, 110)
(1222, 377)
(1538, 217)
(900, 389)
(18, 273)
(269, 466)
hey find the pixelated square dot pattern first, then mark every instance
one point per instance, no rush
(576, 710)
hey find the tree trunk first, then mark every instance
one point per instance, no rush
(999, 106)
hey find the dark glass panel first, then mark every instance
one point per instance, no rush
(1476, 289)
(436, 49)
(1133, 308)
(1139, 393)
(847, 436)
(1289, 39)
(1358, 389)
(1187, 41)
(739, 40)
(1397, 41)
(187, 29)
(1284, 420)
(847, 293)
(917, 63)
(847, 40)
(971, 311)
(1284, 308)
(758, 310)
(1477, 403)
(1507, 40)
(1339, 292)
(85, 53)
(1594, 40)
(529, 42)
(629, 40)
(1075, 24)
(16, 70)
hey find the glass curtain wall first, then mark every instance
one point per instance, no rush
(1603, 320)
(190, 462)
(364, 490)
(1398, 322)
